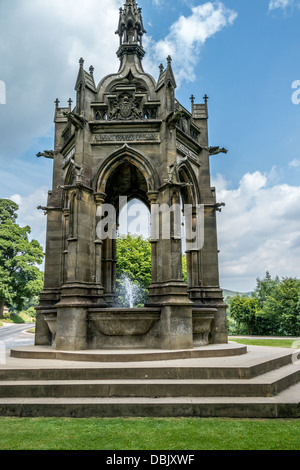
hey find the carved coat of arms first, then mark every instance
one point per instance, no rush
(125, 108)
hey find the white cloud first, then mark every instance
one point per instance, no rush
(258, 230)
(294, 163)
(41, 42)
(188, 34)
(28, 214)
(283, 4)
(273, 4)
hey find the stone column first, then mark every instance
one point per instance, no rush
(203, 279)
(66, 213)
(152, 197)
(168, 291)
(211, 292)
(99, 199)
(71, 312)
(194, 244)
(53, 274)
(80, 291)
(98, 261)
(108, 254)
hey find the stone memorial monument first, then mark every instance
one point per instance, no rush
(129, 138)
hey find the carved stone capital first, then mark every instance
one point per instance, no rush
(99, 198)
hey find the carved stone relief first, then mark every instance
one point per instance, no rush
(125, 107)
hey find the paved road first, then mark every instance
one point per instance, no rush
(12, 336)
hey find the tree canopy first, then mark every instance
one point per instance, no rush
(134, 268)
(273, 309)
(134, 258)
(244, 311)
(20, 277)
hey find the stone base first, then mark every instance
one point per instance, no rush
(212, 381)
(171, 327)
(133, 355)
(206, 298)
(71, 330)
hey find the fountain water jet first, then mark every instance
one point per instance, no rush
(129, 291)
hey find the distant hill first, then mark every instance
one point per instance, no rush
(231, 293)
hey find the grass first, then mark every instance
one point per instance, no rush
(17, 319)
(281, 343)
(148, 434)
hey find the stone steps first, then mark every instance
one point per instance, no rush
(285, 405)
(267, 385)
(265, 382)
(194, 371)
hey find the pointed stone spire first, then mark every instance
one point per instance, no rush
(131, 30)
(85, 79)
(169, 77)
(166, 76)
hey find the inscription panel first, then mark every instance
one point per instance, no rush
(130, 137)
(186, 151)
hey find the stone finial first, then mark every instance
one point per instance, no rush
(81, 62)
(91, 70)
(131, 30)
(56, 103)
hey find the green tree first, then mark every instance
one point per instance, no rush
(274, 308)
(134, 258)
(244, 311)
(133, 265)
(265, 287)
(281, 309)
(20, 278)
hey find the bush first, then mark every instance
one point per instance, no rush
(235, 328)
(26, 316)
(274, 309)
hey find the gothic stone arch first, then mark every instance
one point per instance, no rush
(131, 156)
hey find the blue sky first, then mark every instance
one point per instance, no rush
(244, 54)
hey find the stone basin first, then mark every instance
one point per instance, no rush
(124, 321)
(51, 320)
(202, 320)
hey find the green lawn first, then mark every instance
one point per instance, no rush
(281, 343)
(148, 434)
